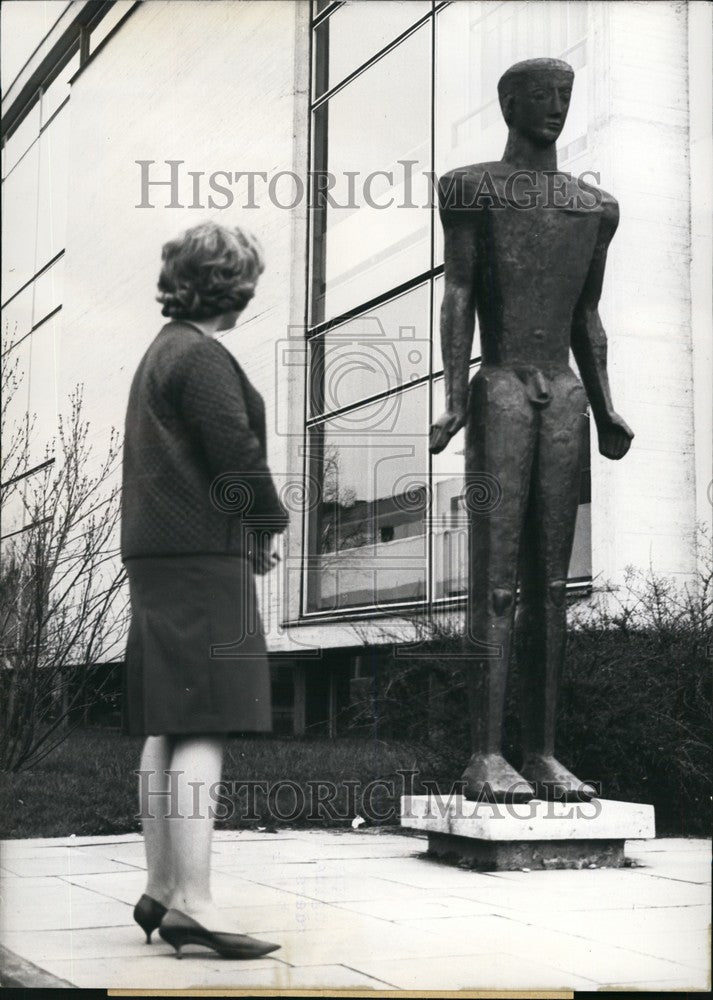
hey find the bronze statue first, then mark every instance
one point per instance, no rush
(525, 249)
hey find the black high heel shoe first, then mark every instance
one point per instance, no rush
(178, 928)
(148, 914)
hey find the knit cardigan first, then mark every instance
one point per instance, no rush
(195, 474)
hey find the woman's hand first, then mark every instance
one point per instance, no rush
(263, 557)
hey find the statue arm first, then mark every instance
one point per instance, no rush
(589, 344)
(458, 308)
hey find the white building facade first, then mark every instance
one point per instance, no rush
(132, 121)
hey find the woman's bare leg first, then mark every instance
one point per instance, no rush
(198, 761)
(156, 760)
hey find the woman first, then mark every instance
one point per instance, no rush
(199, 509)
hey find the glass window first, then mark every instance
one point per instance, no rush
(380, 350)
(53, 189)
(377, 143)
(475, 43)
(48, 288)
(42, 391)
(15, 405)
(109, 22)
(450, 525)
(439, 286)
(21, 139)
(24, 26)
(370, 524)
(35, 302)
(57, 92)
(17, 317)
(371, 230)
(19, 223)
(355, 32)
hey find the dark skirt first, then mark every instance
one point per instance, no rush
(196, 660)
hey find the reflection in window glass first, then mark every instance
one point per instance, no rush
(438, 289)
(450, 525)
(357, 31)
(368, 530)
(475, 43)
(387, 347)
(19, 223)
(53, 189)
(375, 240)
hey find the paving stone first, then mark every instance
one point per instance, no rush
(28, 848)
(363, 937)
(69, 862)
(330, 888)
(228, 889)
(125, 886)
(678, 934)
(63, 905)
(418, 871)
(599, 879)
(670, 844)
(354, 911)
(195, 971)
(90, 943)
(476, 972)
(294, 914)
(593, 960)
(161, 970)
(691, 867)
(419, 909)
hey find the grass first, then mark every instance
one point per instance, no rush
(87, 786)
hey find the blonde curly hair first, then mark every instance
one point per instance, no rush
(208, 270)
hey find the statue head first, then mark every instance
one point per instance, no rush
(534, 98)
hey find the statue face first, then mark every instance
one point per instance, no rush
(538, 106)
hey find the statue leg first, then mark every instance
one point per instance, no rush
(500, 442)
(542, 615)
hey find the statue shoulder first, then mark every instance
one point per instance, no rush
(606, 202)
(459, 188)
(610, 209)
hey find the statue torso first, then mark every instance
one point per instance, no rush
(535, 236)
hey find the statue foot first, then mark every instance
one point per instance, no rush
(553, 782)
(489, 778)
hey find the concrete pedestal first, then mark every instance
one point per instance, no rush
(509, 836)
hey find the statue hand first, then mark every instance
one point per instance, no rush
(615, 436)
(443, 429)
